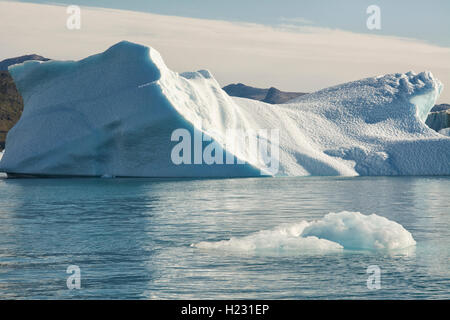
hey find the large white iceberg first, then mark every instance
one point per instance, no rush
(116, 113)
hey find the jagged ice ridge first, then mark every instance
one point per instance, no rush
(113, 114)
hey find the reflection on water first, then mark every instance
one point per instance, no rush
(131, 237)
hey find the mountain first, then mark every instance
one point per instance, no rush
(275, 96)
(124, 113)
(11, 61)
(439, 120)
(271, 95)
(440, 107)
(11, 104)
(243, 91)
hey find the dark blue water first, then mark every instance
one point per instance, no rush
(131, 238)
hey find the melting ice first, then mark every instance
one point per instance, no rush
(335, 232)
(113, 114)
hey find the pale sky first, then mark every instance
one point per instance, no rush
(296, 53)
(424, 20)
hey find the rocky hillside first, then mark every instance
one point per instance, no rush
(440, 107)
(243, 91)
(275, 96)
(11, 104)
(439, 117)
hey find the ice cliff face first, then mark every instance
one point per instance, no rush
(115, 114)
(111, 114)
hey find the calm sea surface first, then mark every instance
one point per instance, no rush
(131, 238)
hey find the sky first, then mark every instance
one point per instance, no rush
(425, 20)
(293, 45)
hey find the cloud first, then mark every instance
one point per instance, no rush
(304, 58)
(295, 21)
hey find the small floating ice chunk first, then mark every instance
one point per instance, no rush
(354, 230)
(107, 176)
(281, 240)
(336, 231)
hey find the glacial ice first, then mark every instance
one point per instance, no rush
(113, 114)
(335, 232)
(285, 239)
(354, 230)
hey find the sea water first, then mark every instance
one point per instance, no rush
(136, 238)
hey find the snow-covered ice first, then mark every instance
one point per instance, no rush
(335, 232)
(284, 239)
(113, 114)
(354, 230)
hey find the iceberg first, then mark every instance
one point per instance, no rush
(333, 233)
(124, 113)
